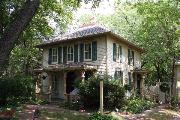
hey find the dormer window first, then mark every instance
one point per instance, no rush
(88, 51)
(54, 55)
(70, 53)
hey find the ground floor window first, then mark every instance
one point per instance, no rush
(118, 75)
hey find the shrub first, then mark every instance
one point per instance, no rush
(138, 105)
(89, 92)
(16, 89)
(98, 116)
(174, 103)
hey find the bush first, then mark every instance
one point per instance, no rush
(98, 116)
(16, 89)
(138, 105)
(89, 92)
(174, 103)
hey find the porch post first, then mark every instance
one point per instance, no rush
(82, 75)
(64, 78)
(142, 85)
(50, 87)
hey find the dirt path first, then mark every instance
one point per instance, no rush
(158, 113)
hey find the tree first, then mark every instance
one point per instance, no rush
(16, 15)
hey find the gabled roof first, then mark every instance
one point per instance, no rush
(86, 33)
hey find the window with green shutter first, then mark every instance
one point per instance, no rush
(70, 53)
(88, 51)
(94, 50)
(120, 53)
(54, 55)
(114, 52)
(130, 57)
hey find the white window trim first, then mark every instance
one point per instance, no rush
(53, 55)
(72, 53)
(86, 60)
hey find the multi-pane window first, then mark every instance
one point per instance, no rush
(117, 52)
(70, 53)
(130, 57)
(54, 55)
(88, 51)
(118, 75)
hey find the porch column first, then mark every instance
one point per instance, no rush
(82, 75)
(142, 85)
(64, 78)
(50, 87)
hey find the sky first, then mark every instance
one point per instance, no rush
(105, 7)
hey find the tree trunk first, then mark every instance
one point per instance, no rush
(16, 27)
(173, 83)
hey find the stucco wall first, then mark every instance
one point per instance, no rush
(112, 65)
(101, 53)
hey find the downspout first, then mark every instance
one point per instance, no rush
(106, 55)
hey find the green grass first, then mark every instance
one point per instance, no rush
(62, 115)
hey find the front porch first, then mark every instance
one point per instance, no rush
(139, 76)
(57, 82)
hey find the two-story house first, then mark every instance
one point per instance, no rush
(88, 51)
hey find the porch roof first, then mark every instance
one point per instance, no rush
(66, 67)
(140, 71)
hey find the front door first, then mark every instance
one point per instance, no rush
(138, 84)
(70, 79)
(55, 86)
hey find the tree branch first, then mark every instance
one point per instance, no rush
(15, 28)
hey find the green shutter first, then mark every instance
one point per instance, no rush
(129, 59)
(76, 53)
(94, 51)
(50, 56)
(129, 75)
(60, 55)
(81, 52)
(120, 52)
(133, 57)
(114, 51)
(64, 54)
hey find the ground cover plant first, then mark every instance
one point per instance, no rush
(138, 105)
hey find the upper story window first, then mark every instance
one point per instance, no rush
(130, 57)
(88, 51)
(70, 53)
(117, 53)
(54, 55)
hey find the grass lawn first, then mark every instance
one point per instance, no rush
(62, 115)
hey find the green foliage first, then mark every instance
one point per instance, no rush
(114, 94)
(98, 116)
(138, 105)
(164, 87)
(16, 90)
(174, 103)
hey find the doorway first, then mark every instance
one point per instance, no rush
(70, 80)
(55, 86)
(138, 84)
